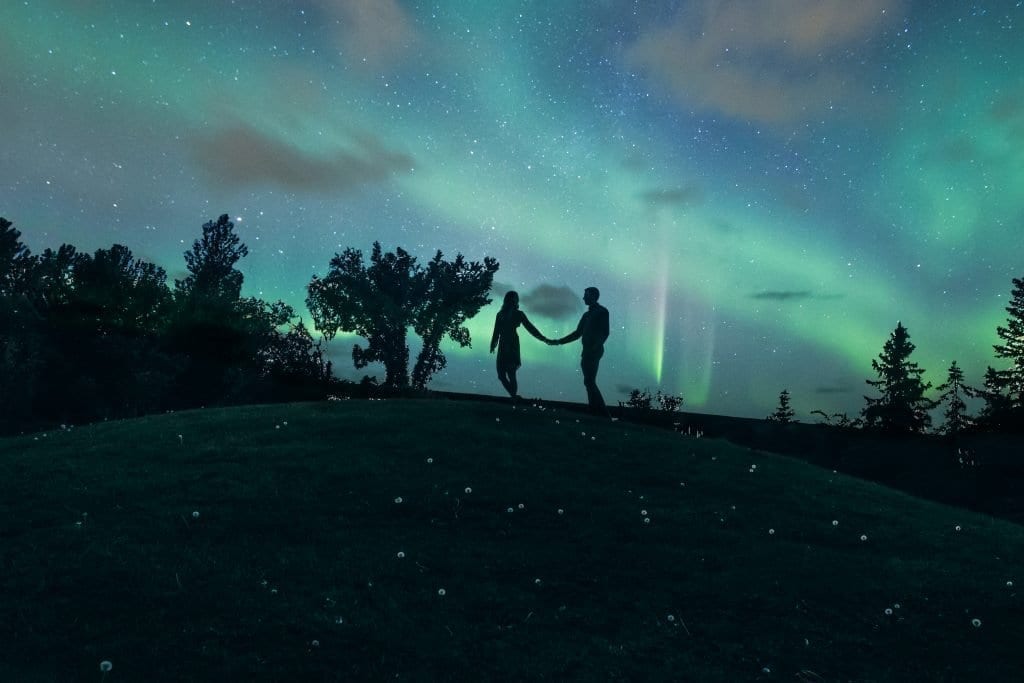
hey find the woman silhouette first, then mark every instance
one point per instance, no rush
(506, 340)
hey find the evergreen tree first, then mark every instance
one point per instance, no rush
(1011, 380)
(903, 406)
(996, 413)
(15, 260)
(952, 396)
(784, 413)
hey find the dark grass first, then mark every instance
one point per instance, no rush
(298, 535)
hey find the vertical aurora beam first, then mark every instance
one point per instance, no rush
(661, 294)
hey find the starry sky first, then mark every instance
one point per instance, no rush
(761, 190)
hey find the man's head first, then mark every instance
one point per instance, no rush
(591, 295)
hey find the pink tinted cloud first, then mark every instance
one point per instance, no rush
(374, 33)
(769, 61)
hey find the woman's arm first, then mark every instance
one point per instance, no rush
(530, 327)
(496, 334)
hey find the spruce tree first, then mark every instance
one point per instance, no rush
(995, 414)
(953, 392)
(1011, 380)
(784, 413)
(903, 406)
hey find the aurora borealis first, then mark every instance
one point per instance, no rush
(761, 190)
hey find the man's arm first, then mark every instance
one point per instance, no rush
(576, 334)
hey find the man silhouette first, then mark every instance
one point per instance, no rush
(593, 330)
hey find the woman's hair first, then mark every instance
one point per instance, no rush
(511, 299)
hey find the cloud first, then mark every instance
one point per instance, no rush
(783, 295)
(833, 390)
(688, 195)
(556, 303)
(371, 33)
(240, 155)
(770, 61)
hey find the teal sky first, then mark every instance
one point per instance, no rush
(760, 190)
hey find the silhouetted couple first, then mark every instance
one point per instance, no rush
(592, 330)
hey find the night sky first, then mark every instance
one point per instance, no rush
(761, 190)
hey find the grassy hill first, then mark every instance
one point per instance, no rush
(437, 539)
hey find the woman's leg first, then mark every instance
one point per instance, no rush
(507, 381)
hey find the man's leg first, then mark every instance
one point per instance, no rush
(589, 365)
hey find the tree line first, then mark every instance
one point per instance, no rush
(904, 406)
(86, 337)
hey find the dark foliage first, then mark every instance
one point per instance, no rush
(380, 302)
(953, 392)
(903, 406)
(784, 413)
(86, 337)
(643, 402)
(1010, 382)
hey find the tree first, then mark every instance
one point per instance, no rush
(455, 292)
(903, 406)
(1011, 380)
(20, 333)
(380, 302)
(122, 293)
(996, 413)
(15, 260)
(377, 303)
(784, 413)
(953, 390)
(211, 264)
(220, 334)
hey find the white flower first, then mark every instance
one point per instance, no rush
(440, 591)
(976, 623)
(896, 606)
(469, 489)
(888, 611)
(643, 512)
(430, 461)
(510, 509)
(1009, 584)
(863, 537)
(671, 617)
(398, 499)
(315, 643)
(106, 666)
(562, 512)
(521, 506)
(647, 520)
(835, 522)
(536, 581)
(956, 528)
(497, 419)
(401, 555)
(195, 514)
(771, 532)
